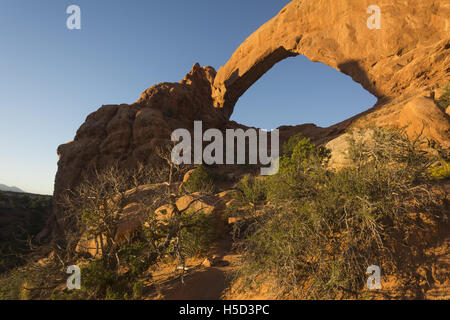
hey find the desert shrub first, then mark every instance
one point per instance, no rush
(137, 290)
(200, 181)
(441, 171)
(304, 145)
(300, 170)
(197, 233)
(324, 228)
(388, 148)
(95, 209)
(98, 282)
(444, 100)
(288, 147)
(31, 281)
(252, 190)
(98, 279)
(137, 257)
(11, 285)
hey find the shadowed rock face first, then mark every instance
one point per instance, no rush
(400, 64)
(408, 53)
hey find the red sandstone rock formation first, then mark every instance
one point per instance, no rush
(407, 56)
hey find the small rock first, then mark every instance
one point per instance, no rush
(207, 263)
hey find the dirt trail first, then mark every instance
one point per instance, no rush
(200, 282)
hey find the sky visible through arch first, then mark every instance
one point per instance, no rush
(297, 91)
(51, 78)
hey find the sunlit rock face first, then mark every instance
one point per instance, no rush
(408, 54)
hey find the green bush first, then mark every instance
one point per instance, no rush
(31, 281)
(197, 233)
(301, 169)
(200, 181)
(137, 257)
(252, 190)
(444, 100)
(11, 285)
(324, 228)
(101, 282)
(98, 283)
(441, 171)
(138, 289)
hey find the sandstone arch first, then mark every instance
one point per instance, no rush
(407, 56)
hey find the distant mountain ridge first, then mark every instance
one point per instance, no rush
(10, 189)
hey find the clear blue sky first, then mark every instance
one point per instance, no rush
(51, 78)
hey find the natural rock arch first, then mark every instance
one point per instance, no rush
(408, 53)
(297, 90)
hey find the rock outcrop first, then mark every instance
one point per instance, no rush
(403, 62)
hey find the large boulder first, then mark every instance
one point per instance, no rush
(132, 217)
(90, 245)
(205, 204)
(419, 115)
